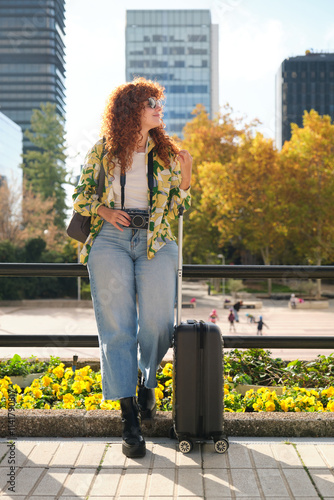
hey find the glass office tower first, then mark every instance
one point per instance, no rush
(179, 49)
(10, 151)
(31, 57)
(303, 83)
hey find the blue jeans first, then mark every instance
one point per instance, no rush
(133, 300)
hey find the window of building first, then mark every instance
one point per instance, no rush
(197, 38)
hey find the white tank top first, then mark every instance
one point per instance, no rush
(135, 190)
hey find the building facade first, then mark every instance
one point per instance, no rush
(32, 67)
(10, 151)
(179, 49)
(303, 83)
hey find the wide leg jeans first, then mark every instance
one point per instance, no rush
(134, 301)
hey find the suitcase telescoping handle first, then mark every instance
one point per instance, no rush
(179, 270)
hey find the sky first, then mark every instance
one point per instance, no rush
(255, 36)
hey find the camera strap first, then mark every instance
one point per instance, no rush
(149, 180)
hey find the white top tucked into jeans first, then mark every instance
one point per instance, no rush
(135, 191)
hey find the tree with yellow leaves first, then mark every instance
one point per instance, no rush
(307, 161)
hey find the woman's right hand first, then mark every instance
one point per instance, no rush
(114, 217)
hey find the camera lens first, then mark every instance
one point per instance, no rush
(138, 221)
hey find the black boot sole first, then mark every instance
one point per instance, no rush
(134, 450)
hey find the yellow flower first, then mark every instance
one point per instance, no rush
(17, 388)
(158, 393)
(68, 373)
(46, 406)
(329, 392)
(297, 409)
(68, 398)
(59, 370)
(46, 380)
(270, 406)
(37, 393)
(257, 406)
(284, 405)
(78, 387)
(168, 370)
(168, 382)
(330, 406)
(226, 389)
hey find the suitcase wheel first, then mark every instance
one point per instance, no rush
(221, 446)
(185, 446)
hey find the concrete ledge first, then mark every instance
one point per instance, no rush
(311, 304)
(102, 423)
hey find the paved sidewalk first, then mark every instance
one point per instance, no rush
(96, 469)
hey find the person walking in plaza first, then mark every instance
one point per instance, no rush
(231, 319)
(260, 324)
(131, 252)
(236, 309)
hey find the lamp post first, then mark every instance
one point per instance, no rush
(221, 256)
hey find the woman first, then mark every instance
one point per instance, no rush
(133, 271)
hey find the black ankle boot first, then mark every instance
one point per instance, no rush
(133, 445)
(146, 402)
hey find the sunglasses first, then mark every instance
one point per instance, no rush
(153, 103)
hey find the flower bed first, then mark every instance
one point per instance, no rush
(61, 388)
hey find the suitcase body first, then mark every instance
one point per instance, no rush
(198, 385)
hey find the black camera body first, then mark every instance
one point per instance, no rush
(139, 218)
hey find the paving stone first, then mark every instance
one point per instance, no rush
(216, 483)
(324, 480)
(286, 455)
(91, 455)
(114, 456)
(328, 453)
(79, 482)
(141, 463)
(299, 483)
(66, 454)
(26, 479)
(244, 483)
(164, 456)
(263, 456)
(189, 482)
(272, 483)
(42, 454)
(238, 456)
(212, 459)
(52, 482)
(310, 456)
(193, 459)
(106, 482)
(3, 451)
(162, 482)
(23, 449)
(133, 481)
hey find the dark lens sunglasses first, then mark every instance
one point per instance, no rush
(153, 103)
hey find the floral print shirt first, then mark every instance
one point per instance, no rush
(167, 197)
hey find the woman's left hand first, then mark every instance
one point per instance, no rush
(186, 161)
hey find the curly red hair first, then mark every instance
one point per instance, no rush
(122, 118)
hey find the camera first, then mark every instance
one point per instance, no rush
(139, 219)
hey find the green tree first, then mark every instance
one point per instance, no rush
(44, 164)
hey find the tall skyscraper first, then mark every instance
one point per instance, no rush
(31, 58)
(10, 151)
(179, 49)
(303, 83)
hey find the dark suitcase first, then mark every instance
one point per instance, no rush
(198, 385)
